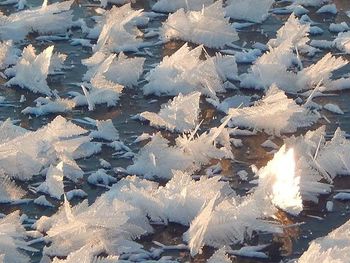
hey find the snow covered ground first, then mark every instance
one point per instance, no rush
(130, 134)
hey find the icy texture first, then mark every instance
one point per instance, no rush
(174, 5)
(157, 158)
(26, 153)
(184, 72)
(242, 9)
(31, 70)
(335, 247)
(180, 114)
(9, 54)
(119, 32)
(208, 26)
(287, 115)
(47, 19)
(12, 236)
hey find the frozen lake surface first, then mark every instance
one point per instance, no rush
(313, 222)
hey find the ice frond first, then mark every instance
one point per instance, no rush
(84, 255)
(333, 157)
(188, 155)
(271, 68)
(219, 256)
(53, 184)
(106, 131)
(55, 18)
(46, 106)
(125, 71)
(311, 170)
(230, 102)
(342, 42)
(9, 191)
(101, 88)
(174, 5)
(199, 226)
(9, 131)
(122, 69)
(183, 198)
(101, 177)
(26, 154)
(208, 26)
(282, 184)
(104, 3)
(335, 247)
(31, 70)
(180, 114)
(242, 9)
(184, 72)
(231, 221)
(320, 72)
(313, 3)
(57, 63)
(288, 116)
(119, 32)
(292, 32)
(157, 159)
(105, 226)
(180, 200)
(9, 54)
(12, 239)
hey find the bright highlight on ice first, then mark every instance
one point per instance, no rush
(285, 189)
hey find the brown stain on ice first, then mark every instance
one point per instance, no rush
(290, 234)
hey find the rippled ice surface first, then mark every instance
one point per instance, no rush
(295, 240)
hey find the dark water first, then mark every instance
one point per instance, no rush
(295, 240)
